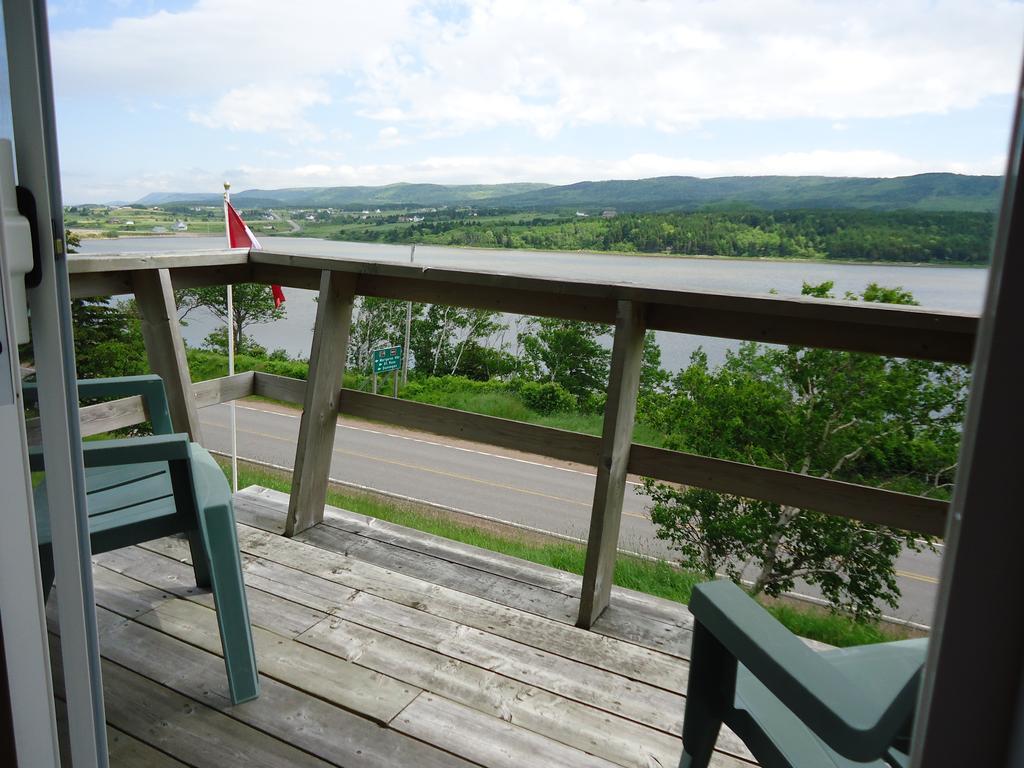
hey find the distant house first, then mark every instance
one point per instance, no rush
(180, 226)
(582, 215)
(609, 213)
(310, 217)
(129, 223)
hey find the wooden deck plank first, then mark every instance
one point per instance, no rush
(499, 676)
(589, 686)
(123, 750)
(598, 688)
(665, 628)
(286, 713)
(179, 726)
(325, 675)
(485, 560)
(176, 577)
(487, 740)
(633, 661)
(550, 715)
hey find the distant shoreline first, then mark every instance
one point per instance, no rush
(637, 254)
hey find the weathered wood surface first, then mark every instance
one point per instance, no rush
(859, 502)
(278, 570)
(285, 712)
(185, 729)
(667, 631)
(279, 387)
(123, 750)
(99, 417)
(223, 389)
(165, 348)
(892, 330)
(263, 506)
(613, 461)
(319, 420)
(81, 264)
(876, 505)
(884, 329)
(362, 663)
(128, 411)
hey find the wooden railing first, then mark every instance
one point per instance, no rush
(891, 330)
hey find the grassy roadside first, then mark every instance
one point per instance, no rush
(485, 398)
(654, 578)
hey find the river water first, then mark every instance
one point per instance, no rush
(958, 289)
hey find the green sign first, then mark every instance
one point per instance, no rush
(387, 359)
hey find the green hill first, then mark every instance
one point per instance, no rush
(930, 191)
(925, 192)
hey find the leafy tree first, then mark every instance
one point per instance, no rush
(443, 336)
(860, 418)
(568, 352)
(217, 341)
(251, 304)
(108, 339)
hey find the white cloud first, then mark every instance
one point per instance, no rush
(262, 108)
(676, 65)
(548, 64)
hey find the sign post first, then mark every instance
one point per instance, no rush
(387, 360)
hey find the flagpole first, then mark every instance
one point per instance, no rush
(231, 348)
(408, 331)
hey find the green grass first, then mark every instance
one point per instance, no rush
(505, 405)
(834, 629)
(654, 578)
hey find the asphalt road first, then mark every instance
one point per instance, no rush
(527, 490)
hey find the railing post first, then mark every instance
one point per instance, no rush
(320, 402)
(165, 348)
(616, 438)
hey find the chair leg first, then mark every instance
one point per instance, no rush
(217, 528)
(200, 561)
(710, 694)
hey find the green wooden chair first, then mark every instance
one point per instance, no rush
(144, 488)
(790, 705)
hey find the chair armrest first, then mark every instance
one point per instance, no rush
(149, 386)
(825, 699)
(135, 450)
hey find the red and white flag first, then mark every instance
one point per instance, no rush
(240, 236)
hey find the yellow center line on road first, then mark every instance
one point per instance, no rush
(420, 467)
(917, 577)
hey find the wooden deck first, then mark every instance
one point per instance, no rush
(383, 646)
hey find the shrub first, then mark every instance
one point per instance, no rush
(546, 398)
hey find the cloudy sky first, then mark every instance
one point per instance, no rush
(179, 96)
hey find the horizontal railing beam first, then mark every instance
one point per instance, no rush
(128, 411)
(899, 331)
(834, 497)
(859, 502)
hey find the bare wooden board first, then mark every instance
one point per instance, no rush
(514, 594)
(284, 712)
(347, 685)
(568, 722)
(123, 750)
(570, 679)
(223, 389)
(265, 610)
(624, 624)
(187, 730)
